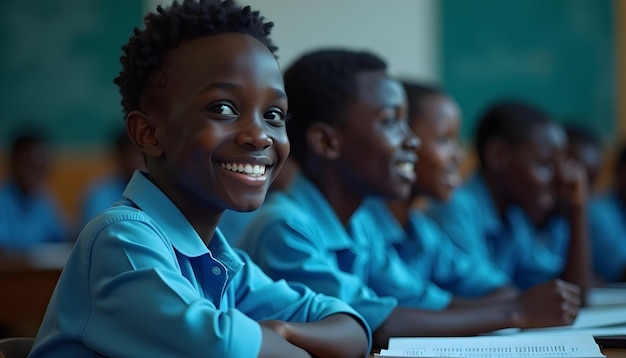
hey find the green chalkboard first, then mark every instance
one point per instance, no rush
(58, 62)
(557, 54)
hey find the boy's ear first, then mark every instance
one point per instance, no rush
(497, 154)
(323, 140)
(142, 133)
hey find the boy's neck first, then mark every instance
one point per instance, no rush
(492, 182)
(341, 196)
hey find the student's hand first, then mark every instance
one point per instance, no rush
(554, 303)
(275, 342)
(572, 186)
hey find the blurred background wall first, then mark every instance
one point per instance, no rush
(59, 58)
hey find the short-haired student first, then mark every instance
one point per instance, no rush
(153, 276)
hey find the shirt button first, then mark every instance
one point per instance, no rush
(216, 270)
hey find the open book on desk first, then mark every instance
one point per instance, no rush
(568, 345)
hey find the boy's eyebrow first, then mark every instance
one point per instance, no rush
(234, 85)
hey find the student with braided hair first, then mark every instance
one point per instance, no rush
(153, 276)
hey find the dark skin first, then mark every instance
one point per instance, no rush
(438, 174)
(358, 158)
(536, 175)
(223, 103)
(29, 166)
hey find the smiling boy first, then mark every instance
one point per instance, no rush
(153, 276)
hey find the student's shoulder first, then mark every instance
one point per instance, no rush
(123, 223)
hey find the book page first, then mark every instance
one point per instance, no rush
(573, 345)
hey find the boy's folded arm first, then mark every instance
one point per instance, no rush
(338, 335)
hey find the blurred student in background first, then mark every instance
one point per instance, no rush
(607, 221)
(522, 175)
(586, 148)
(449, 274)
(29, 212)
(350, 137)
(104, 192)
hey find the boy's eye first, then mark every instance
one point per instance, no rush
(223, 109)
(274, 115)
(391, 121)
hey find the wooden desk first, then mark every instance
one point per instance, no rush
(27, 280)
(614, 352)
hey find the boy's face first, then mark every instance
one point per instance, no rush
(533, 169)
(377, 147)
(30, 166)
(437, 170)
(220, 122)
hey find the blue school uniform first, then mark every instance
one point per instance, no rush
(431, 255)
(297, 236)
(607, 224)
(528, 255)
(101, 195)
(27, 220)
(142, 283)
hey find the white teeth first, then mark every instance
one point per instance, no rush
(406, 166)
(252, 170)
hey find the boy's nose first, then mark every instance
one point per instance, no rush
(254, 135)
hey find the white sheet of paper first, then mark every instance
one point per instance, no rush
(515, 346)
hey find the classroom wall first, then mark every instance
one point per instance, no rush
(404, 32)
(60, 58)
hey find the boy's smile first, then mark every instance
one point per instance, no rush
(219, 123)
(438, 170)
(378, 147)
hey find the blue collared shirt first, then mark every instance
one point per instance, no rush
(27, 220)
(296, 235)
(427, 250)
(528, 255)
(140, 282)
(607, 224)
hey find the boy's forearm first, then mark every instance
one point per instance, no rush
(339, 335)
(405, 322)
(578, 265)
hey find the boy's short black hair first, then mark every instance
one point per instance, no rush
(320, 85)
(511, 120)
(415, 93)
(169, 27)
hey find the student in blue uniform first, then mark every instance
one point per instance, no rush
(152, 276)
(448, 271)
(104, 192)
(350, 137)
(500, 213)
(607, 223)
(30, 213)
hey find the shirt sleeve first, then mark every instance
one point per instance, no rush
(262, 298)
(291, 251)
(138, 297)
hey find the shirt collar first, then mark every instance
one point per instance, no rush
(310, 200)
(183, 237)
